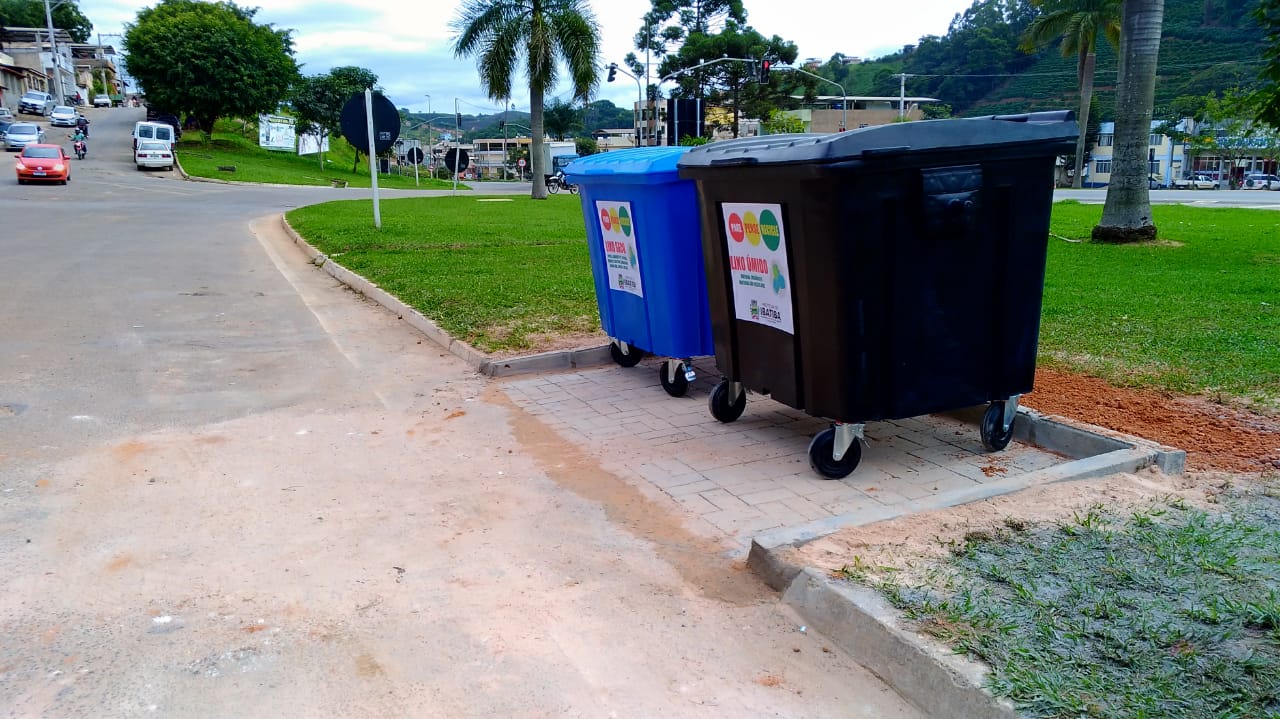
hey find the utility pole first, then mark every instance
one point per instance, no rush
(902, 94)
(506, 173)
(102, 68)
(53, 53)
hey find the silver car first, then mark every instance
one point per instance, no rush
(21, 134)
(63, 116)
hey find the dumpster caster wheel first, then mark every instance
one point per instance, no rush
(994, 436)
(722, 408)
(821, 449)
(674, 387)
(625, 358)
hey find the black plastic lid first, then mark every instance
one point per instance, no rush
(1052, 130)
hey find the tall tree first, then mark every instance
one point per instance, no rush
(30, 13)
(562, 119)
(1267, 97)
(502, 33)
(318, 99)
(1126, 216)
(209, 60)
(1076, 24)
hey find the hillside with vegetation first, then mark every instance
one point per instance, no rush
(977, 68)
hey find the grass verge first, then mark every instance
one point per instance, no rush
(504, 274)
(1198, 312)
(231, 146)
(1171, 612)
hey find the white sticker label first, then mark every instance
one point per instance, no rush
(618, 231)
(758, 264)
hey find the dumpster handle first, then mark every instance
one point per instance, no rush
(734, 161)
(877, 151)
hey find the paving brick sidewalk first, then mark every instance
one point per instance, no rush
(753, 475)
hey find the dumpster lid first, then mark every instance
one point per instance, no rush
(633, 161)
(883, 141)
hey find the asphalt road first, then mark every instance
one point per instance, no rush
(1254, 199)
(231, 488)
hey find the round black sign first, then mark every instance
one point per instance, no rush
(456, 160)
(386, 123)
(415, 155)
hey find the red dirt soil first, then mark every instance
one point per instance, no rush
(1216, 437)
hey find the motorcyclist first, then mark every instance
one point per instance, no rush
(82, 126)
(79, 137)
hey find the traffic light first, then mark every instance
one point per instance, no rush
(502, 124)
(613, 72)
(763, 75)
(458, 117)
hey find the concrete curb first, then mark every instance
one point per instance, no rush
(927, 674)
(483, 363)
(863, 623)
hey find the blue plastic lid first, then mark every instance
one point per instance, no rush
(638, 161)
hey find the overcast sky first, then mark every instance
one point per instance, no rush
(407, 42)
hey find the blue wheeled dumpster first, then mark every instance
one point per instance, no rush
(645, 241)
(880, 273)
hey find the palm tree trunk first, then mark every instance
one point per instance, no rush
(537, 128)
(1126, 217)
(1087, 62)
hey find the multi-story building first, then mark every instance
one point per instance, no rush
(1168, 159)
(30, 48)
(16, 79)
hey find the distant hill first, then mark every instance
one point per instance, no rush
(1207, 46)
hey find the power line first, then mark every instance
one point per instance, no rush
(1108, 71)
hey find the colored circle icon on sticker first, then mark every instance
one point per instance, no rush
(752, 226)
(735, 228)
(604, 219)
(613, 218)
(770, 231)
(624, 221)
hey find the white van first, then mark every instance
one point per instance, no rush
(152, 131)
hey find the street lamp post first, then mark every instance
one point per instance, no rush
(844, 96)
(53, 52)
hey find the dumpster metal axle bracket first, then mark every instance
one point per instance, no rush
(846, 435)
(1010, 411)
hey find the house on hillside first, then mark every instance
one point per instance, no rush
(30, 48)
(16, 79)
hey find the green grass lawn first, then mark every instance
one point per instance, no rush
(1168, 612)
(503, 274)
(1198, 313)
(232, 146)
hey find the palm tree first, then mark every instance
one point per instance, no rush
(1077, 23)
(537, 34)
(1126, 216)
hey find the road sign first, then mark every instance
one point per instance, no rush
(520, 163)
(456, 160)
(415, 155)
(386, 123)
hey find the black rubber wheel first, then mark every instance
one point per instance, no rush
(679, 386)
(553, 187)
(573, 189)
(992, 437)
(720, 406)
(820, 449)
(630, 359)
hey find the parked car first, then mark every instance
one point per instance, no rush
(1196, 182)
(6, 114)
(63, 116)
(4, 126)
(1155, 182)
(34, 102)
(43, 163)
(102, 101)
(153, 153)
(1259, 181)
(21, 134)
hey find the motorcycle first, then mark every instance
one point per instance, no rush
(81, 149)
(557, 182)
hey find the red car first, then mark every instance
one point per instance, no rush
(43, 163)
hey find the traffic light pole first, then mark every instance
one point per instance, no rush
(613, 67)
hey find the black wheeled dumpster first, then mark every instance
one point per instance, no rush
(880, 273)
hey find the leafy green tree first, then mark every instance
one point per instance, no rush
(586, 146)
(562, 119)
(1126, 216)
(1076, 25)
(1267, 97)
(209, 60)
(780, 123)
(504, 34)
(30, 13)
(318, 99)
